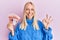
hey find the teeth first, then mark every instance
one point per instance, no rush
(29, 14)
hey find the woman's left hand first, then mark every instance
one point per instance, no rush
(46, 21)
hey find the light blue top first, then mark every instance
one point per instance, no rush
(30, 33)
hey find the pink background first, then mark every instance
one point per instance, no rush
(52, 7)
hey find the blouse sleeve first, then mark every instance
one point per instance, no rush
(16, 31)
(47, 35)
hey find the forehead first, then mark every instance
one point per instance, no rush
(29, 5)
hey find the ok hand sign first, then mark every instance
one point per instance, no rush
(46, 21)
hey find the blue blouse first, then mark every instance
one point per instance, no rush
(30, 33)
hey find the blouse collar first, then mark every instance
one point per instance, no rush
(29, 21)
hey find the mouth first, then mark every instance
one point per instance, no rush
(29, 14)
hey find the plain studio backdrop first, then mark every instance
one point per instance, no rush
(43, 7)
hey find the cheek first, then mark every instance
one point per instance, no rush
(27, 11)
(32, 13)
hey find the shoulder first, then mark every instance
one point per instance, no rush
(40, 24)
(17, 26)
(39, 21)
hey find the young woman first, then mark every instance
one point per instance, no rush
(30, 28)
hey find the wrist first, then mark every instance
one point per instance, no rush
(12, 33)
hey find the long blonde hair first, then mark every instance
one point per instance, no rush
(24, 23)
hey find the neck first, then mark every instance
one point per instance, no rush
(29, 21)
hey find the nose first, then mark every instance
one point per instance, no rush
(29, 11)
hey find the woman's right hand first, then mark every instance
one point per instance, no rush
(10, 27)
(10, 24)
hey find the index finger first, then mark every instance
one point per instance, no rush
(46, 15)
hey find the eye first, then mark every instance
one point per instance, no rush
(27, 9)
(32, 9)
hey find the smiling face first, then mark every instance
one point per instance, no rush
(29, 9)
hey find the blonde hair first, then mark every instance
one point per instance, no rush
(24, 23)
